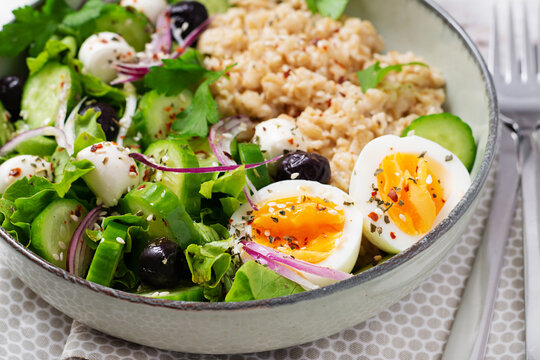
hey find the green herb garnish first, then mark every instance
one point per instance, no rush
(329, 8)
(371, 77)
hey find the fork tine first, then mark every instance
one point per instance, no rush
(494, 48)
(513, 61)
(529, 61)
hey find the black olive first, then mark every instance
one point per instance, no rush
(186, 16)
(161, 263)
(11, 89)
(304, 166)
(107, 119)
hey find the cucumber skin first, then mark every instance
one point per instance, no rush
(39, 83)
(40, 146)
(185, 186)
(48, 225)
(450, 132)
(153, 120)
(6, 127)
(182, 293)
(107, 255)
(251, 154)
(172, 220)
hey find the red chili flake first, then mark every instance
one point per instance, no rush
(15, 172)
(392, 235)
(315, 41)
(374, 193)
(61, 149)
(168, 126)
(165, 223)
(78, 211)
(325, 48)
(160, 132)
(373, 216)
(172, 116)
(342, 94)
(393, 195)
(133, 169)
(287, 73)
(179, 49)
(341, 80)
(96, 147)
(141, 186)
(329, 102)
(339, 64)
(406, 187)
(291, 141)
(230, 221)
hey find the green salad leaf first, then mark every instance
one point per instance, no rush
(371, 76)
(176, 75)
(32, 28)
(329, 8)
(202, 111)
(90, 11)
(55, 50)
(256, 282)
(230, 183)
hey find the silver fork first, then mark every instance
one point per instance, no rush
(518, 88)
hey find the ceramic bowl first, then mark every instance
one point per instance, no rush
(419, 26)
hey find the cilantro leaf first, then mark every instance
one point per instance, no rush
(203, 110)
(371, 77)
(176, 74)
(32, 28)
(329, 8)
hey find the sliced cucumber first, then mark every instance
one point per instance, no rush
(132, 25)
(42, 94)
(166, 216)
(40, 146)
(6, 127)
(175, 153)
(215, 6)
(52, 229)
(185, 292)
(450, 132)
(156, 113)
(108, 254)
(251, 154)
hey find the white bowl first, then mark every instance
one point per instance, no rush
(417, 25)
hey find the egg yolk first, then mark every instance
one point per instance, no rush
(408, 191)
(304, 227)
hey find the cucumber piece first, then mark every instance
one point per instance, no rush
(156, 114)
(52, 229)
(215, 6)
(251, 154)
(108, 254)
(40, 146)
(132, 25)
(166, 216)
(185, 292)
(205, 156)
(6, 127)
(175, 153)
(42, 94)
(450, 132)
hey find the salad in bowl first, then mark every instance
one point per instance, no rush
(221, 152)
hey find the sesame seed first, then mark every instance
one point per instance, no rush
(61, 256)
(271, 210)
(281, 206)
(295, 175)
(62, 245)
(56, 257)
(164, 261)
(120, 241)
(402, 217)
(155, 294)
(150, 217)
(272, 203)
(332, 212)
(429, 180)
(266, 232)
(164, 293)
(74, 217)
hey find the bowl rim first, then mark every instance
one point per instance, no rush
(381, 269)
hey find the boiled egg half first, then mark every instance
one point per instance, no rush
(405, 186)
(311, 221)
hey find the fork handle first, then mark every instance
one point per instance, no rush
(530, 187)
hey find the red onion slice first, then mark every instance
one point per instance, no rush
(281, 270)
(161, 40)
(131, 106)
(300, 265)
(77, 248)
(148, 162)
(60, 136)
(122, 79)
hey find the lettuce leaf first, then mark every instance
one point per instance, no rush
(371, 76)
(256, 282)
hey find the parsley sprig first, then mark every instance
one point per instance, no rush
(329, 8)
(371, 77)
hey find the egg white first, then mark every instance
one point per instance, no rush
(454, 177)
(346, 249)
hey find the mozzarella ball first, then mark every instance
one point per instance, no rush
(151, 8)
(23, 166)
(405, 187)
(308, 220)
(278, 136)
(100, 51)
(115, 172)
